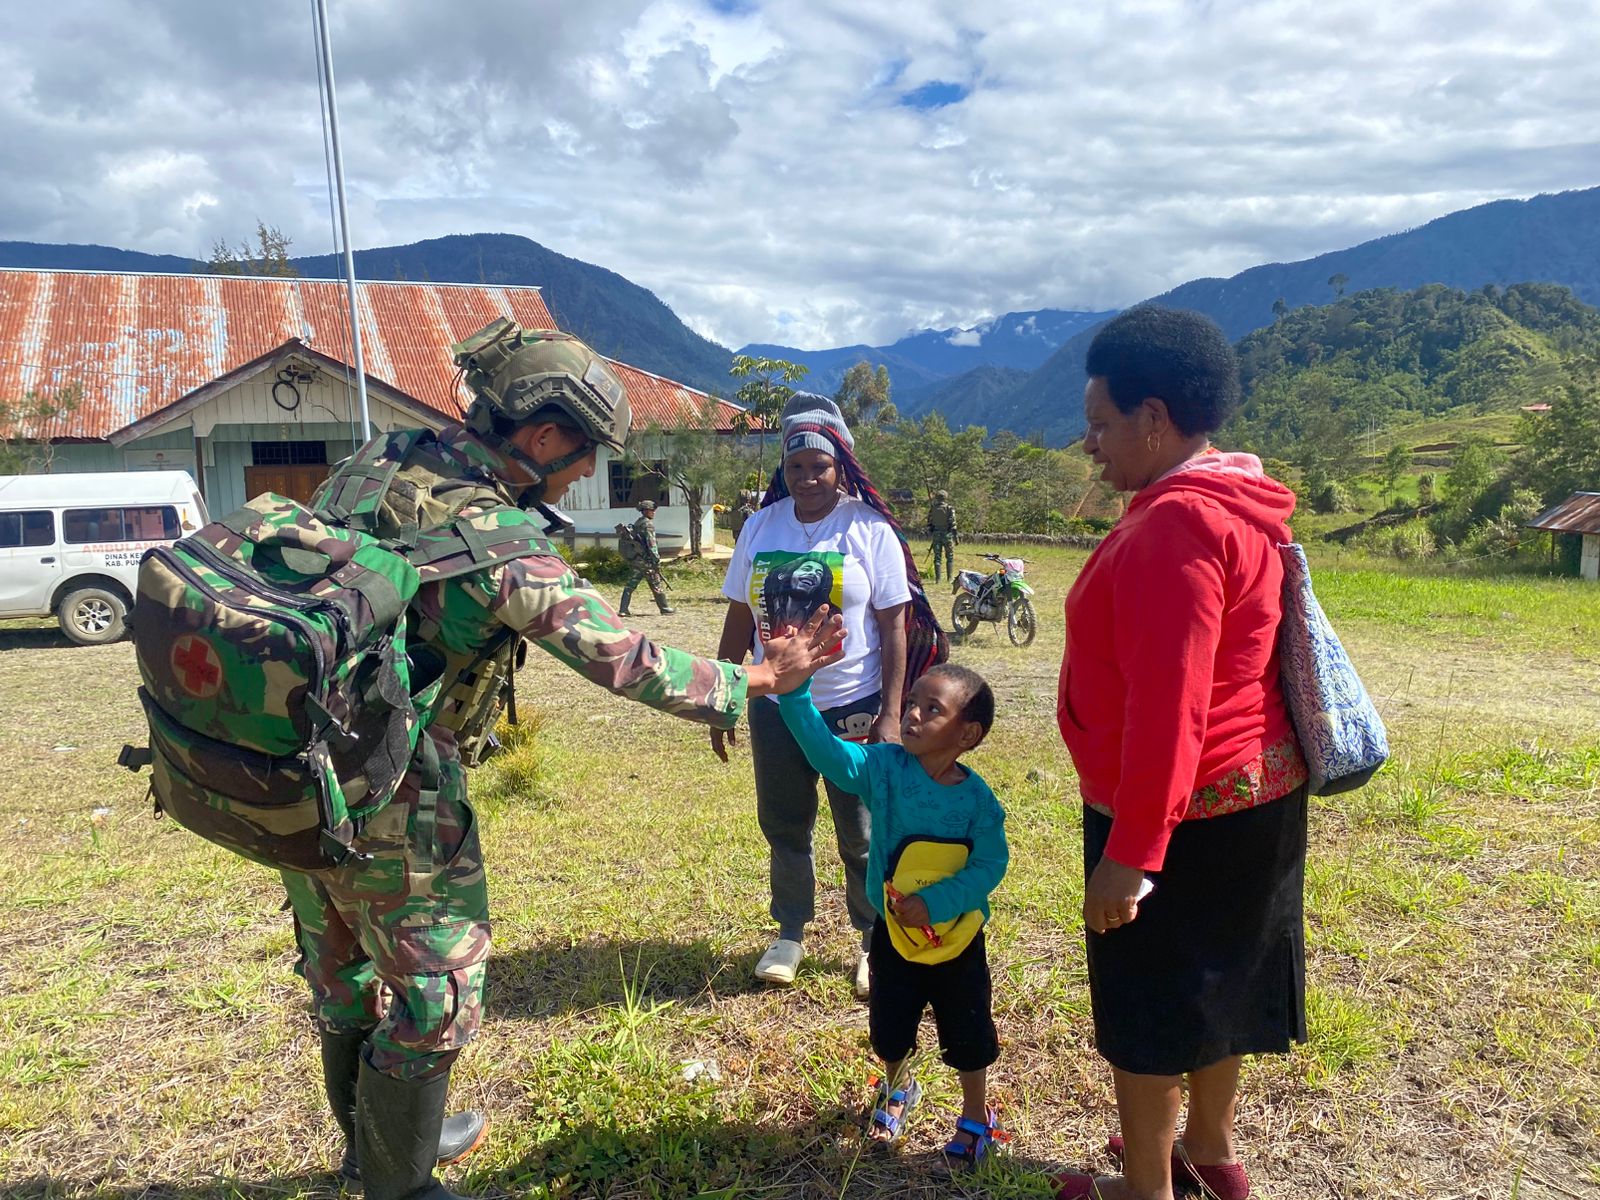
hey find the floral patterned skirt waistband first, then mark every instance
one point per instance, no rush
(1270, 775)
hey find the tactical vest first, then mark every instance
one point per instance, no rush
(393, 489)
(941, 518)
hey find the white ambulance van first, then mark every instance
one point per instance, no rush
(70, 544)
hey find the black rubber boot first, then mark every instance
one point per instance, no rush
(397, 1135)
(459, 1134)
(622, 609)
(341, 1058)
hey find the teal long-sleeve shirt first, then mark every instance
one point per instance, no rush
(904, 801)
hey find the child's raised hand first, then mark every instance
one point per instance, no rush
(911, 911)
(796, 655)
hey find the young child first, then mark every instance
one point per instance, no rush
(938, 849)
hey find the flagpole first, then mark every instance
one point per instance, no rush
(344, 217)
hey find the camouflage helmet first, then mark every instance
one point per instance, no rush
(515, 372)
(941, 495)
(646, 506)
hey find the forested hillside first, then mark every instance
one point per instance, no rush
(1548, 239)
(1317, 379)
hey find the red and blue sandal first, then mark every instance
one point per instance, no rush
(907, 1097)
(1224, 1181)
(983, 1135)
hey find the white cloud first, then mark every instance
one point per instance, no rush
(966, 337)
(759, 171)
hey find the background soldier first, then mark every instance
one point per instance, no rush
(942, 529)
(647, 565)
(746, 510)
(394, 941)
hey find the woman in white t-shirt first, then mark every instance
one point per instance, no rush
(818, 545)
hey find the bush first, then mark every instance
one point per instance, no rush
(602, 564)
(1412, 542)
(1331, 496)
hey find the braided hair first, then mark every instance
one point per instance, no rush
(926, 642)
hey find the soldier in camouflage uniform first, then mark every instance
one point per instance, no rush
(648, 566)
(746, 510)
(942, 529)
(394, 941)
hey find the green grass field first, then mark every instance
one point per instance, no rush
(154, 1040)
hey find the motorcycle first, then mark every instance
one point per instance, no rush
(1002, 596)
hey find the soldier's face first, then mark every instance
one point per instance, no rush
(547, 443)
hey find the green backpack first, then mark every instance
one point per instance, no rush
(272, 644)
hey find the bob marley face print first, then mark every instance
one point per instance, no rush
(791, 587)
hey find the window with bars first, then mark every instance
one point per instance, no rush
(288, 454)
(633, 482)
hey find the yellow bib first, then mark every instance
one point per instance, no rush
(918, 862)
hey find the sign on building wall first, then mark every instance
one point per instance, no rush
(159, 460)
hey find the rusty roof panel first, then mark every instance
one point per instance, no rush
(138, 343)
(1578, 513)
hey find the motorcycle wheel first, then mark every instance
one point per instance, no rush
(1021, 622)
(964, 614)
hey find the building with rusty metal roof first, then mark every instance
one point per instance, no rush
(247, 383)
(1578, 514)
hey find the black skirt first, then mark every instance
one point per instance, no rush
(1214, 965)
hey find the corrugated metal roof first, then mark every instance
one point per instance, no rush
(668, 405)
(138, 343)
(1578, 513)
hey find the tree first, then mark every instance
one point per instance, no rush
(1280, 308)
(764, 393)
(26, 447)
(1563, 445)
(1337, 282)
(863, 397)
(693, 458)
(1395, 464)
(1477, 468)
(269, 256)
(936, 458)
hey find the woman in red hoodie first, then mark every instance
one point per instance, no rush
(1192, 780)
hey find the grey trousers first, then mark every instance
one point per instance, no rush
(786, 805)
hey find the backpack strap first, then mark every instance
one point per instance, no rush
(470, 543)
(356, 490)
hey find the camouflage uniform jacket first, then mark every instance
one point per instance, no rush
(538, 597)
(644, 532)
(941, 518)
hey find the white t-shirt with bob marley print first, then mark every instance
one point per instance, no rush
(852, 561)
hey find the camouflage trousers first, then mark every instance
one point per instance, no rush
(652, 576)
(396, 945)
(944, 540)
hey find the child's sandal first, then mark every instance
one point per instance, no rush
(907, 1097)
(984, 1136)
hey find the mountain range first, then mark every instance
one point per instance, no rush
(1022, 371)
(920, 361)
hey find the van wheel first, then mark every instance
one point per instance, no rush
(92, 616)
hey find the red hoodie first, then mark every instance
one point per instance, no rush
(1170, 678)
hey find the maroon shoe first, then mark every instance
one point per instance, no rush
(1225, 1181)
(1074, 1185)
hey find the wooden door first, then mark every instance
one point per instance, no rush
(296, 481)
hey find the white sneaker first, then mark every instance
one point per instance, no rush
(863, 979)
(780, 962)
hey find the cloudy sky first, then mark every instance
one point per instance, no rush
(809, 172)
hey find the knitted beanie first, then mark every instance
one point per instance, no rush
(805, 416)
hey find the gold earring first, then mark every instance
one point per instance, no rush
(1152, 443)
